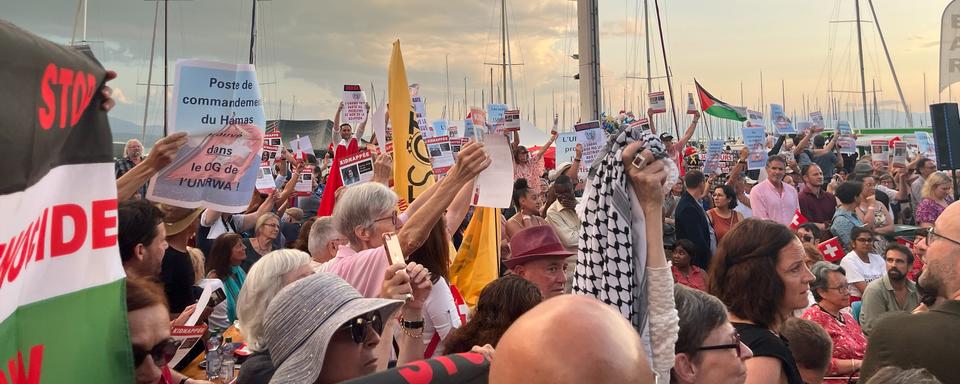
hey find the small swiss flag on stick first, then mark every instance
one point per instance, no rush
(831, 249)
(798, 220)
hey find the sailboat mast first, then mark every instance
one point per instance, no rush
(446, 61)
(166, 7)
(863, 79)
(503, 45)
(646, 25)
(153, 42)
(253, 33)
(663, 49)
(886, 51)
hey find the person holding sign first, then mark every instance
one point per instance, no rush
(345, 132)
(530, 167)
(674, 148)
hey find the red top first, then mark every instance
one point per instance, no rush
(848, 339)
(722, 225)
(696, 278)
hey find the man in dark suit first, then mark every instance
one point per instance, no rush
(930, 339)
(691, 219)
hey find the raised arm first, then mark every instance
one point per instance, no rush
(690, 130)
(738, 167)
(336, 126)
(250, 219)
(162, 153)
(653, 127)
(290, 186)
(457, 210)
(829, 147)
(363, 125)
(545, 147)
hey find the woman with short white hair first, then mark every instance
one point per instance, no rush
(273, 272)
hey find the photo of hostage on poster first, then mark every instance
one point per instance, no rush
(220, 108)
(356, 169)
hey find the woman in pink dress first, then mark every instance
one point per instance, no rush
(936, 197)
(830, 290)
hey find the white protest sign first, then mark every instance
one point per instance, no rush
(899, 154)
(817, 118)
(272, 138)
(265, 181)
(456, 144)
(691, 105)
(753, 139)
(421, 116)
(356, 169)
(847, 144)
(379, 121)
(304, 184)
(496, 113)
(440, 128)
(593, 139)
(950, 45)
(804, 126)
(220, 108)
(844, 127)
(511, 120)
(878, 152)
(270, 153)
(454, 128)
(566, 147)
(441, 154)
(354, 105)
(494, 186)
(301, 147)
(658, 102)
(642, 123)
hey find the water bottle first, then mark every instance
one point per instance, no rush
(213, 357)
(228, 360)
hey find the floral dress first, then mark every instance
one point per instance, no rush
(848, 339)
(879, 220)
(928, 210)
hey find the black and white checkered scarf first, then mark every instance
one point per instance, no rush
(613, 248)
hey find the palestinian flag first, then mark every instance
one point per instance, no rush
(62, 306)
(714, 107)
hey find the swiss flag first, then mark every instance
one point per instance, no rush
(798, 220)
(831, 249)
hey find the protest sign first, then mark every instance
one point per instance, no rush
(926, 145)
(780, 120)
(899, 159)
(754, 119)
(441, 155)
(301, 147)
(456, 144)
(591, 135)
(265, 181)
(270, 153)
(453, 128)
(185, 337)
(691, 105)
(220, 108)
(62, 311)
(304, 184)
(356, 169)
(421, 116)
(511, 120)
(817, 118)
(272, 138)
(658, 103)
(491, 189)
(379, 121)
(804, 126)
(439, 128)
(712, 162)
(469, 130)
(478, 116)
(753, 139)
(354, 105)
(566, 147)
(847, 144)
(642, 123)
(496, 113)
(844, 127)
(879, 152)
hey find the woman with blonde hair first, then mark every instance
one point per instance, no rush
(274, 271)
(936, 197)
(263, 242)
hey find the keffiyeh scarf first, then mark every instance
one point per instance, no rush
(613, 249)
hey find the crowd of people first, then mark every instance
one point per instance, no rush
(747, 295)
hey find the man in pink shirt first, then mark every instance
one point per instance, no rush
(773, 199)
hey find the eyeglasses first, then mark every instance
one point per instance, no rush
(934, 236)
(863, 240)
(161, 353)
(393, 219)
(358, 326)
(736, 345)
(840, 289)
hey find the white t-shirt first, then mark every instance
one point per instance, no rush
(858, 271)
(743, 208)
(440, 314)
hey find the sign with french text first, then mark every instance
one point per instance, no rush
(354, 105)
(658, 102)
(356, 169)
(441, 154)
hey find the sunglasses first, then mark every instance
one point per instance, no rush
(161, 353)
(358, 326)
(735, 345)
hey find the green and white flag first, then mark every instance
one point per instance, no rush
(62, 307)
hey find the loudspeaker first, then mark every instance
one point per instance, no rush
(946, 134)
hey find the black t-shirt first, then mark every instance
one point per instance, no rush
(177, 275)
(764, 343)
(258, 369)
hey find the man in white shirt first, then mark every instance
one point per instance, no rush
(861, 265)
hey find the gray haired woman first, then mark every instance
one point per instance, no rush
(831, 291)
(266, 278)
(708, 347)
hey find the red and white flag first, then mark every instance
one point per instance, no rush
(798, 220)
(831, 249)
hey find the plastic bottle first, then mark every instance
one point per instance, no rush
(227, 360)
(213, 358)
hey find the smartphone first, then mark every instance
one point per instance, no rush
(394, 253)
(216, 297)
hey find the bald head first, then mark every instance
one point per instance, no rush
(942, 269)
(570, 339)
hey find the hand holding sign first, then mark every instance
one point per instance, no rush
(470, 162)
(165, 150)
(107, 92)
(578, 151)
(383, 169)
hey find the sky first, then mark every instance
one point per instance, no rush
(308, 50)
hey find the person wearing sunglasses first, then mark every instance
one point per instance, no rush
(809, 233)
(832, 293)
(149, 321)
(708, 348)
(930, 339)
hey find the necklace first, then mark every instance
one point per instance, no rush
(838, 317)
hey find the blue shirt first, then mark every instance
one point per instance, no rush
(843, 223)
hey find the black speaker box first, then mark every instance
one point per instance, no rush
(946, 134)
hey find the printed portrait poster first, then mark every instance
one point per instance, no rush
(847, 144)
(780, 120)
(899, 159)
(804, 126)
(304, 184)
(712, 163)
(356, 169)
(220, 108)
(441, 155)
(817, 118)
(62, 312)
(844, 127)
(753, 139)
(658, 102)
(926, 145)
(265, 181)
(754, 119)
(511, 120)
(272, 138)
(879, 152)
(691, 105)
(354, 105)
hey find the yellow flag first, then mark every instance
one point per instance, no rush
(477, 262)
(412, 173)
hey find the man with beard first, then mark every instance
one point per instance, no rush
(926, 340)
(773, 199)
(892, 292)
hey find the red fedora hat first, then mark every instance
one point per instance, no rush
(534, 243)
